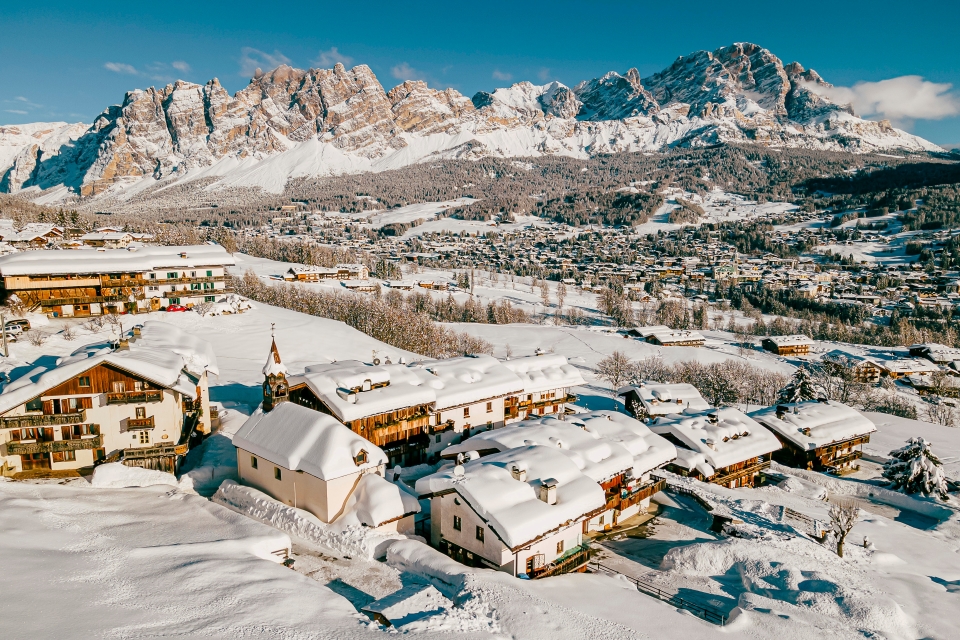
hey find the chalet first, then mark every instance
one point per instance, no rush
(798, 345)
(521, 511)
(110, 240)
(905, 367)
(97, 281)
(138, 401)
(817, 435)
(546, 380)
(615, 450)
(309, 460)
(650, 400)
(722, 446)
(865, 370)
(667, 337)
(366, 286)
(936, 353)
(308, 273)
(386, 404)
(470, 393)
(352, 271)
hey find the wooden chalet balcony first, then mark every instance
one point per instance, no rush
(55, 302)
(132, 397)
(740, 473)
(15, 448)
(573, 560)
(642, 493)
(835, 464)
(158, 451)
(42, 420)
(416, 422)
(147, 282)
(136, 424)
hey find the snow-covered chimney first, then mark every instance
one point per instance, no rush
(518, 473)
(548, 491)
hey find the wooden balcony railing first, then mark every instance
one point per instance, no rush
(42, 420)
(132, 397)
(573, 560)
(15, 448)
(642, 493)
(139, 423)
(740, 473)
(158, 451)
(55, 302)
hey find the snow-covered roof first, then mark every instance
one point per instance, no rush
(546, 372)
(663, 399)
(668, 336)
(163, 355)
(646, 332)
(104, 261)
(511, 506)
(273, 365)
(602, 444)
(376, 501)
(790, 341)
(309, 268)
(908, 365)
(301, 439)
(733, 438)
(468, 379)
(939, 353)
(340, 386)
(814, 424)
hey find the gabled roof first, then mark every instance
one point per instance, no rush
(163, 355)
(511, 506)
(663, 399)
(733, 438)
(813, 424)
(301, 439)
(82, 261)
(468, 379)
(546, 372)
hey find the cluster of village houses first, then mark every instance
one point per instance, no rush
(42, 235)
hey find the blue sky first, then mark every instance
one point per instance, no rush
(69, 60)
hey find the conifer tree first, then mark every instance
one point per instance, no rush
(799, 389)
(914, 469)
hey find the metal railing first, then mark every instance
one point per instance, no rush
(42, 420)
(701, 611)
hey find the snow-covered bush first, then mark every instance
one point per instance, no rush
(914, 469)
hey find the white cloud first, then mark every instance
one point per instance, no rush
(404, 71)
(17, 111)
(180, 66)
(252, 59)
(331, 57)
(120, 67)
(900, 100)
(544, 74)
(501, 75)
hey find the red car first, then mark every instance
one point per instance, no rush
(176, 307)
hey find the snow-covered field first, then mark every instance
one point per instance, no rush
(95, 561)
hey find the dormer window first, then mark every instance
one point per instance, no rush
(360, 458)
(367, 385)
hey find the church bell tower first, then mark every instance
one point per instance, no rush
(275, 387)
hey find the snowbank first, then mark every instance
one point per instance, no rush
(411, 556)
(117, 475)
(348, 539)
(376, 501)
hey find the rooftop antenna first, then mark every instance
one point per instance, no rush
(272, 325)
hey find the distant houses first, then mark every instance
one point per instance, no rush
(651, 400)
(795, 345)
(667, 337)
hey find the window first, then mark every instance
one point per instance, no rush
(119, 386)
(253, 461)
(438, 437)
(457, 523)
(360, 458)
(172, 275)
(141, 412)
(560, 547)
(489, 407)
(193, 274)
(153, 276)
(209, 273)
(64, 456)
(144, 437)
(479, 533)
(276, 472)
(209, 298)
(138, 386)
(466, 412)
(83, 381)
(35, 405)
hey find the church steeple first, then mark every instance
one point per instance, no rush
(275, 388)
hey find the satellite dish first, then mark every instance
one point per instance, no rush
(458, 471)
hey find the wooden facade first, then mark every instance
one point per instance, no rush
(785, 349)
(836, 457)
(401, 433)
(741, 474)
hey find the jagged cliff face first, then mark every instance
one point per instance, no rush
(737, 93)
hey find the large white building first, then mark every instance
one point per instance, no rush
(137, 400)
(96, 281)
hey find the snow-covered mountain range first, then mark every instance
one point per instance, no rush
(320, 122)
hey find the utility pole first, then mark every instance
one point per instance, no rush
(3, 320)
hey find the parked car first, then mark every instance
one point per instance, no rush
(176, 307)
(13, 329)
(23, 323)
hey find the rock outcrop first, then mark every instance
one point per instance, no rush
(737, 93)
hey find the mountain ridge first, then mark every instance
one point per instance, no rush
(291, 123)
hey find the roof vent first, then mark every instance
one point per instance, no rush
(518, 473)
(548, 491)
(713, 417)
(183, 254)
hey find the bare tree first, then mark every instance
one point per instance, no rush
(36, 338)
(843, 515)
(203, 308)
(68, 332)
(561, 296)
(617, 369)
(744, 340)
(94, 324)
(940, 413)
(545, 293)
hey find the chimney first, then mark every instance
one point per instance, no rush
(548, 491)
(123, 345)
(136, 331)
(713, 417)
(183, 254)
(782, 410)
(518, 473)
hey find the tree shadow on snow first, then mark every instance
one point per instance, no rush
(248, 394)
(356, 597)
